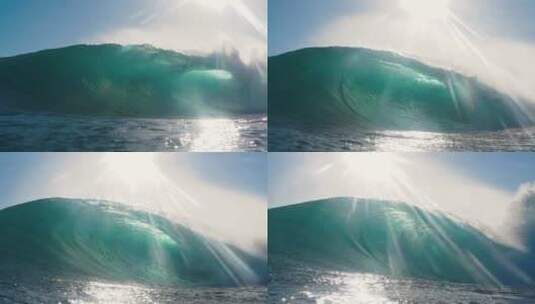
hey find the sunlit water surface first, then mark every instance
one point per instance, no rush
(302, 139)
(294, 283)
(25, 132)
(85, 292)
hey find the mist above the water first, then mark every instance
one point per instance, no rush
(521, 223)
(199, 26)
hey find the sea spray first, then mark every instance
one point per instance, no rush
(522, 218)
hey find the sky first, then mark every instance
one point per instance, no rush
(493, 40)
(217, 194)
(460, 184)
(187, 25)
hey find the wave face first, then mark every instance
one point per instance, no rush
(84, 239)
(352, 235)
(142, 81)
(382, 90)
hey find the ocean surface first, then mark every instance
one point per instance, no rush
(298, 283)
(293, 139)
(49, 290)
(54, 132)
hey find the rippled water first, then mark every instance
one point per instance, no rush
(25, 132)
(302, 139)
(300, 284)
(82, 292)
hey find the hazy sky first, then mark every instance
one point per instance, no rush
(296, 24)
(491, 39)
(292, 24)
(462, 184)
(216, 193)
(197, 25)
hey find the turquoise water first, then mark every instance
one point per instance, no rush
(131, 81)
(381, 90)
(87, 251)
(353, 99)
(347, 250)
(83, 240)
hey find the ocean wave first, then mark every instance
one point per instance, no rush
(367, 89)
(394, 238)
(83, 239)
(139, 81)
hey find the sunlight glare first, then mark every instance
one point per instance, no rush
(215, 4)
(142, 178)
(102, 292)
(426, 10)
(216, 134)
(133, 169)
(377, 175)
(373, 167)
(237, 5)
(352, 288)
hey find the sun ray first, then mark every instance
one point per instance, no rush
(236, 5)
(426, 11)
(470, 30)
(470, 45)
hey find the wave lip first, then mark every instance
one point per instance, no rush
(391, 238)
(381, 90)
(131, 81)
(76, 239)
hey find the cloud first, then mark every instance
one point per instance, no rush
(198, 26)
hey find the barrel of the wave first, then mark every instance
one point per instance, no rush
(86, 240)
(367, 89)
(391, 238)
